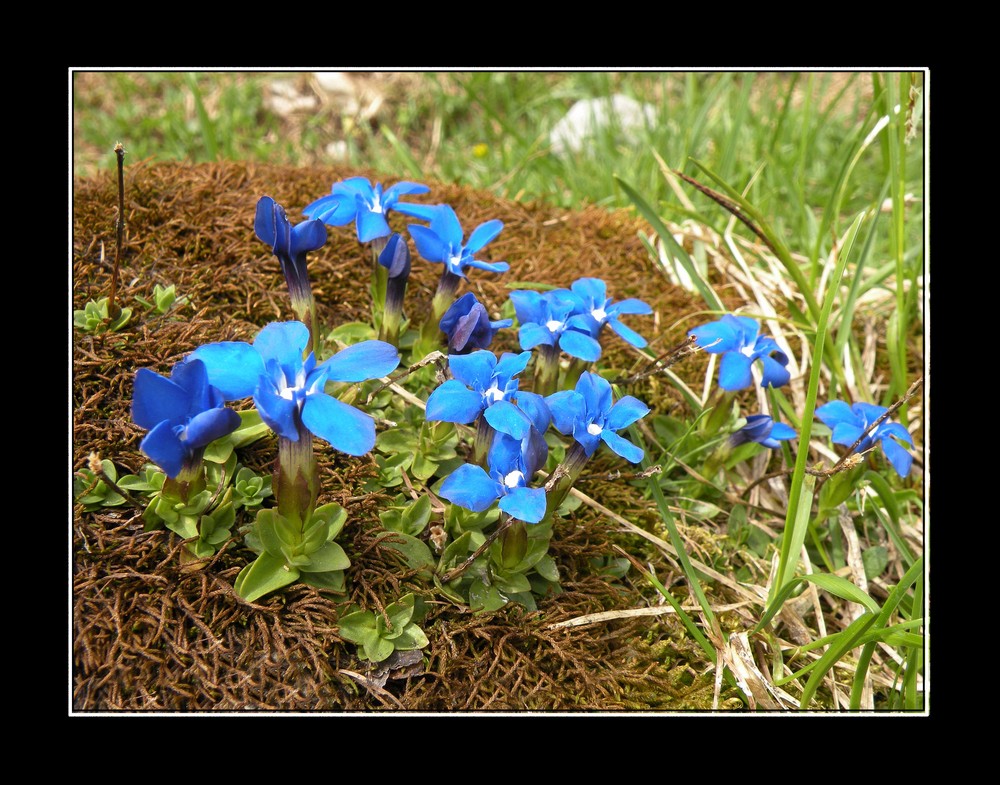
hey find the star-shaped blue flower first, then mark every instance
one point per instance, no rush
(587, 413)
(442, 242)
(289, 391)
(467, 325)
(849, 422)
(762, 429)
(184, 414)
(512, 462)
(547, 319)
(356, 199)
(599, 310)
(736, 338)
(289, 243)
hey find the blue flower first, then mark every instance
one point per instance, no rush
(481, 384)
(468, 325)
(599, 310)
(355, 199)
(288, 392)
(762, 429)
(512, 462)
(588, 414)
(442, 242)
(547, 319)
(290, 244)
(736, 339)
(184, 414)
(395, 258)
(848, 423)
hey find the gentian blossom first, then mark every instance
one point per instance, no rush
(512, 463)
(184, 414)
(588, 414)
(289, 243)
(481, 384)
(468, 327)
(737, 339)
(442, 242)
(547, 319)
(599, 310)
(762, 429)
(395, 258)
(849, 422)
(289, 391)
(356, 199)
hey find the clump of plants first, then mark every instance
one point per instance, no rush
(489, 446)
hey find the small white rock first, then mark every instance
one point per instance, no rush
(588, 117)
(334, 82)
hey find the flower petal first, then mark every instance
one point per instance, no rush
(234, 367)
(347, 429)
(371, 225)
(580, 345)
(625, 412)
(469, 486)
(453, 402)
(283, 342)
(734, 371)
(210, 425)
(900, 459)
(162, 446)
(528, 305)
(429, 245)
(623, 447)
(893, 429)
(836, 412)
(847, 433)
(775, 374)
(362, 361)
(506, 418)
(493, 267)
(716, 337)
(630, 305)
(591, 290)
(566, 407)
(782, 431)
(626, 333)
(445, 224)
(525, 504)
(156, 398)
(531, 335)
(277, 412)
(404, 188)
(482, 235)
(333, 209)
(475, 369)
(307, 236)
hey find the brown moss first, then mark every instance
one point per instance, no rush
(150, 634)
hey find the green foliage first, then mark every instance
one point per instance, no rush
(93, 492)
(94, 317)
(164, 298)
(379, 635)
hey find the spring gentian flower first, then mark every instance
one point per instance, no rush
(289, 243)
(481, 382)
(599, 310)
(356, 199)
(395, 258)
(184, 414)
(849, 422)
(288, 391)
(589, 415)
(736, 338)
(762, 429)
(467, 325)
(512, 464)
(442, 242)
(546, 319)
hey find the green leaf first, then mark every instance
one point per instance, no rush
(378, 649)
(875, 559)
(485, 598)
(397, 440)
(329, 557)
(417, 515)
(357, 627)
(334, 581)
(401, 612)
(415, 552)
(839, 488)
(265, 575)
(334, 515)
(546, 567)
(411, 638)
(184, 525)
(423, 468)
(351, 333)
(511, 583)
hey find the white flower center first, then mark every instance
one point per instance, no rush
(594, 429)
(554, 325)
(494, 394)
(747, 351)
(514, 479)
(288, 392)
(376, 205)
(599, 314)
(455, 263)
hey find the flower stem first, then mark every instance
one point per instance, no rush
(562, 479)
(481, 446)
(573, 373)
(379, 277)
(296, 478)
(546, 370)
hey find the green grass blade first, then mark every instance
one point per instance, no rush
(847, 640)
(204, 121)
(707, 293)
(405, 156)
